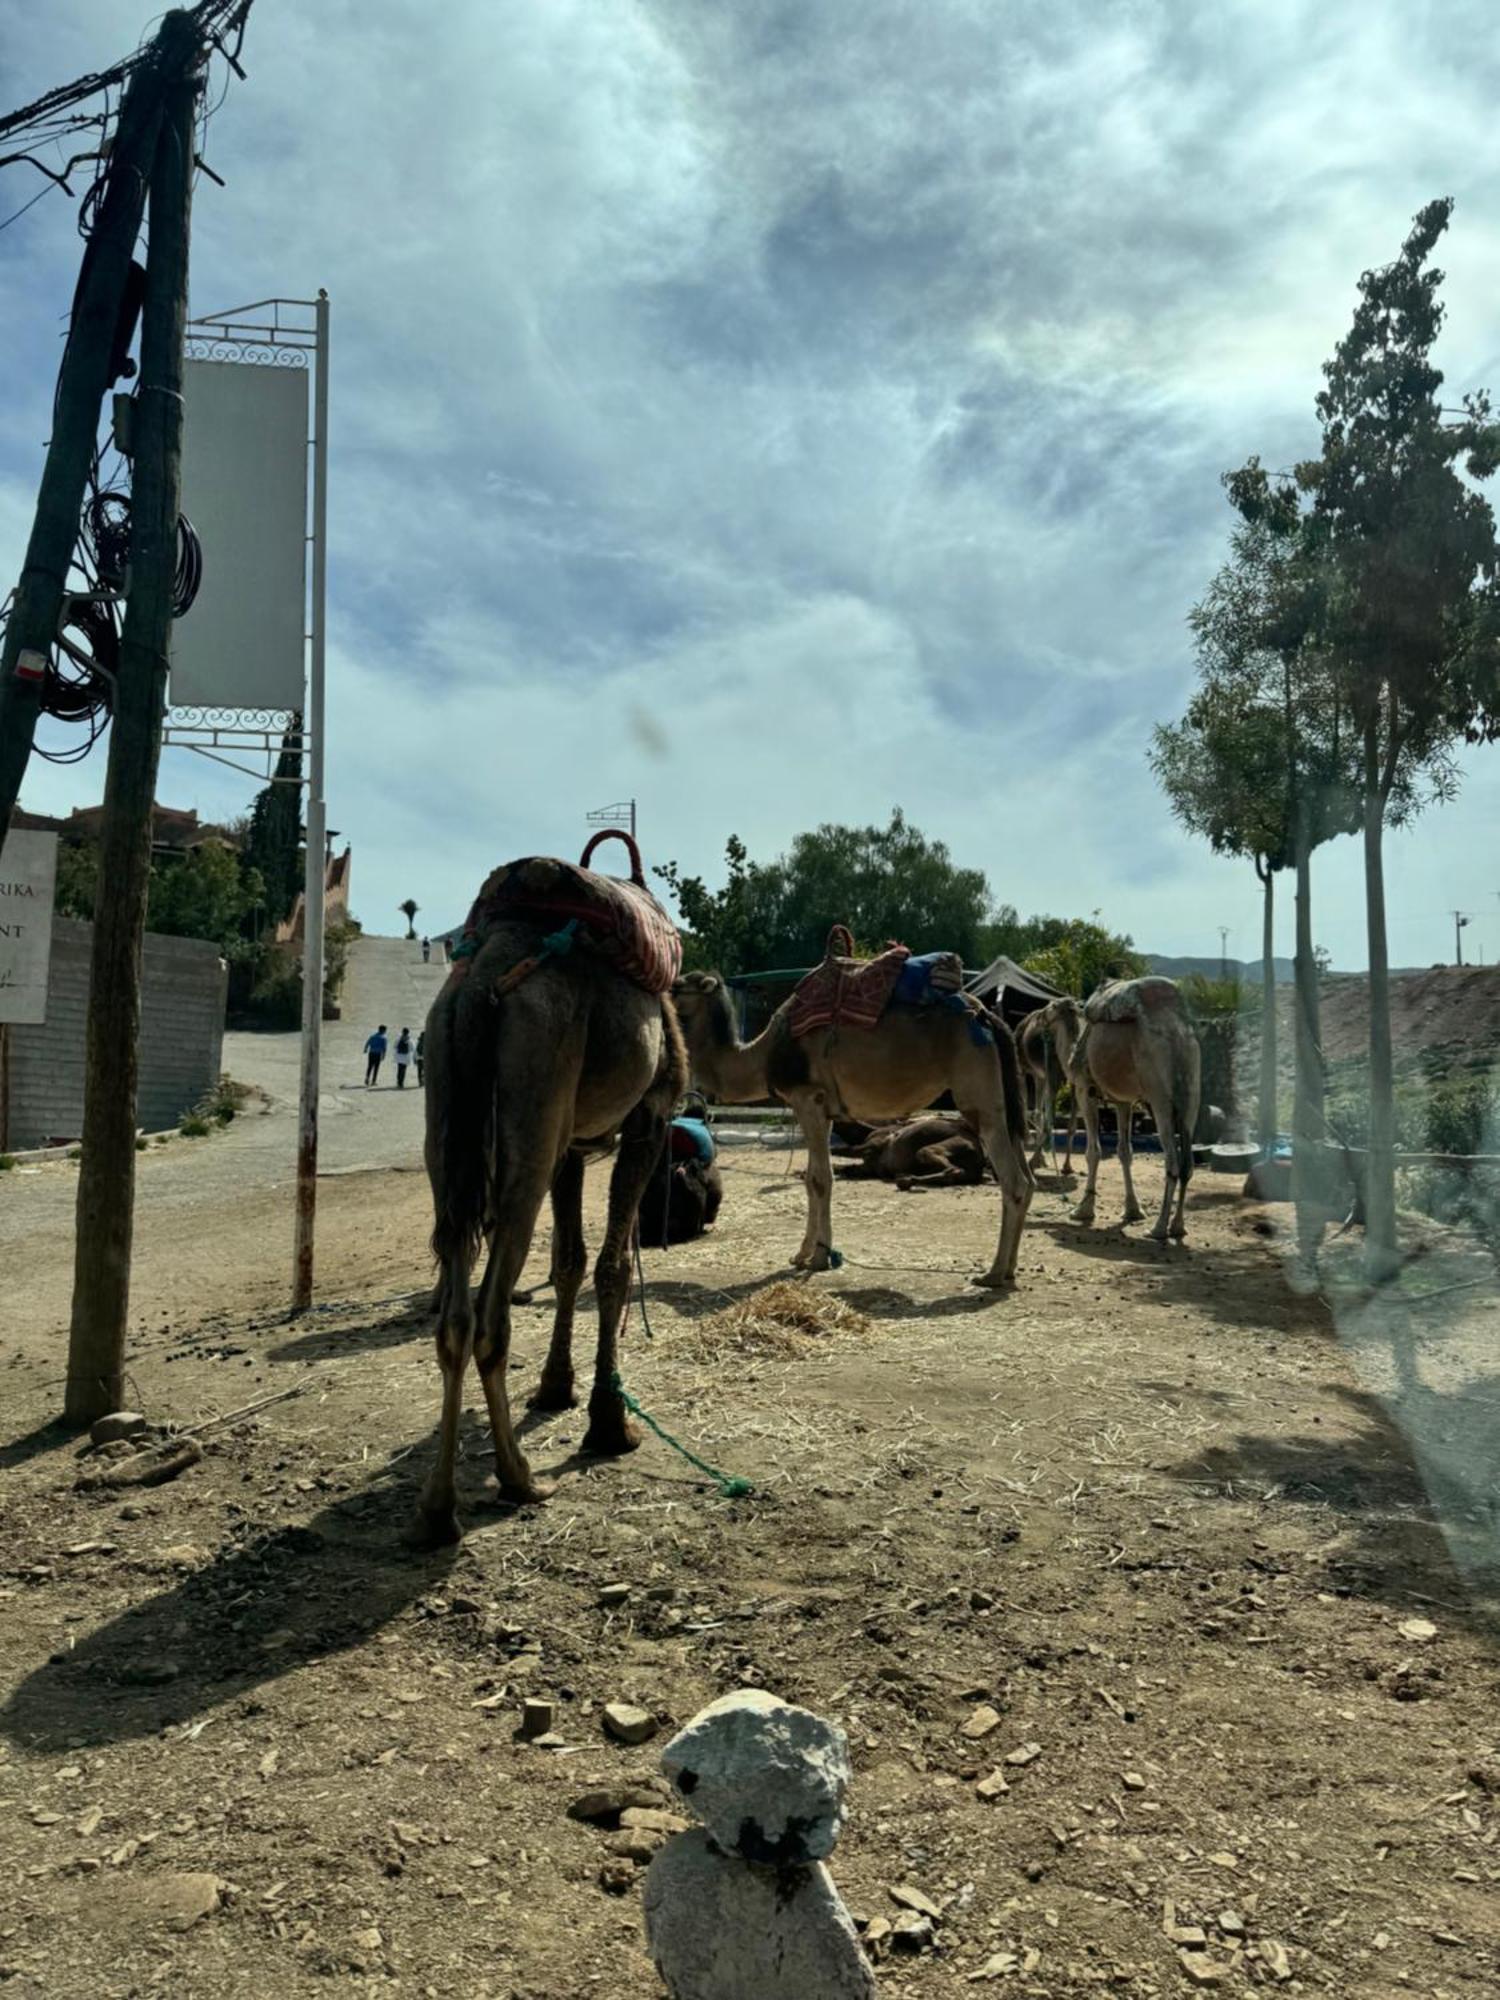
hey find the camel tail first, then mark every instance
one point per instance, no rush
(461, 1065)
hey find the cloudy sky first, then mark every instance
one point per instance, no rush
(780, 411)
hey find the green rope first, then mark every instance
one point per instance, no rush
(732, 1488)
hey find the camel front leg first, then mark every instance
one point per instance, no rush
(1084, 1212)
(569, 1262)
(1069, 1170)
(518, 1197)
(1123, 1115)
(642, 1141)
(817, 1242)
(1036, 1092)
(1172, 1163)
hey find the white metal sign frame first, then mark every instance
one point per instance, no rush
(284, 333)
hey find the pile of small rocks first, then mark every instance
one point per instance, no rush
(741, 1907)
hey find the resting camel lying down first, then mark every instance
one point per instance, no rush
(938, 1149)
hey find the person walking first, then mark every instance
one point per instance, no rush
(375, 1049)
(417, 1054)
(426, 949)
(403, 1057)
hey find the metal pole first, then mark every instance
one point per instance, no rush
(312, 894)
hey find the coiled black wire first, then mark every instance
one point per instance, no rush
(107, 519)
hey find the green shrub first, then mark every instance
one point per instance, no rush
(194, 1127)
(7, 1161)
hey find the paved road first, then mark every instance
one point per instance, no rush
(386, 981)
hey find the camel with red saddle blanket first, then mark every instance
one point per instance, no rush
(833, 1051)
(554, 1038)
(1132, 1042)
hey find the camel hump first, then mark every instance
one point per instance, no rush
(1124, 1000)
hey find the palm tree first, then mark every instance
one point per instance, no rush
(409, 910)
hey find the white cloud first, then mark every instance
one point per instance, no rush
(844, 390)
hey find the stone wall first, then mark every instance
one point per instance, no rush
(182, 1037)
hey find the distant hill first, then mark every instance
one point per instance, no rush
(1213, 968)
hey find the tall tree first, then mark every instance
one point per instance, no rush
(1408, 618)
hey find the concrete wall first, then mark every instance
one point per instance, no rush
(182, 1037)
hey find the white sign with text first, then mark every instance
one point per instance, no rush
(28, 879)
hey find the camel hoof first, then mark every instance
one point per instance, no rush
(1159, 1236)
(522, 1298)
(1083, 1213)
(553, 1395)
(609, 1437)
(531, 1493)
(993, 1281)
(1179, 1231)
(434, 1528)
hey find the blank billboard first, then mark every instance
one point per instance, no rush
(244, 488)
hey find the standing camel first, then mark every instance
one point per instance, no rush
(907, 1059)
(1133, 1042)
(523, 1080)
(1044, 1065)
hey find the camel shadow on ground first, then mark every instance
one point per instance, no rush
(1415, 1519)
(265, 1605)
(1236, 1285)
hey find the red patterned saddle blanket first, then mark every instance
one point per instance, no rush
(623, 921)
(844, 991)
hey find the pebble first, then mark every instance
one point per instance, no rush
(992, 1787)
(652, 1819)
(983, 1722)
(1024, 1753)
(914, 1899)
(912, 1931)
(537, 1718)
(614, 1593)
(118, 1424)
(1132, 1781)
(628, 1724)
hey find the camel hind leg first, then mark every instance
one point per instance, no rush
(569, 1262)
(1124, 1113)
(978, 1090)
(1083, 1088)
(437, 1515)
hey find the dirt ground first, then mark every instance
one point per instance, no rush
(1149, 1509)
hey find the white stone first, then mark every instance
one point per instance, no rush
(767, 1780)
(722, 1929)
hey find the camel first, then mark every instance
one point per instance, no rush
(909, 1057)
(937, 1150)
(1133, 1042)
(1044, 1067)
(522, 1086)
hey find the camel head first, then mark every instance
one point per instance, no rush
(1064, 1022)
(706, 1012)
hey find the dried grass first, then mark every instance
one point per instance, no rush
(783, 1318)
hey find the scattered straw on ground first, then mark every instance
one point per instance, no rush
(781, 1318)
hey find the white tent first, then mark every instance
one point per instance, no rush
(1003, 975)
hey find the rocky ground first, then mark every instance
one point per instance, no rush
(1157, 1603)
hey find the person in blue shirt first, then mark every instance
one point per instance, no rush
(375, 1049)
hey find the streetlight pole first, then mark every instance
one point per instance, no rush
(316, 849)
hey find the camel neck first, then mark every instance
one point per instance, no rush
(731, 1070)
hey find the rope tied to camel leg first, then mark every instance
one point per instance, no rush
(730, 1485)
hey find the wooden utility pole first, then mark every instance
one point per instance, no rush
(106, 1179)
(84, 378)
